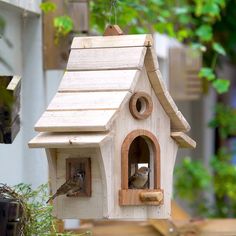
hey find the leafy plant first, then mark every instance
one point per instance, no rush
(192, 178)
(63, 24)
(191, 22)
(37, 216)
(48, 6)
(224, 120)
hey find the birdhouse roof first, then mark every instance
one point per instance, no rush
(101, 74)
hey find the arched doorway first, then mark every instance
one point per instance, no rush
(140, 148)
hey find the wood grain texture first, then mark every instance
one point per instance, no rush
(178, 122)
(87, 101)
(74, 121)
(106, 58)
(151, 196)
(104, 80)
(183, 140)
(67, 140)
(80, 207)
(151, 62)
(140, 40)
(134, 197)
(14, 85)
(52, 171)
(146, 105)
(157, 123)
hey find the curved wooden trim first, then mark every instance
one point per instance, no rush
(125, 158)
(133, 109)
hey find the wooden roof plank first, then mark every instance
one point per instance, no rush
(87, 101)
(73, 121)
(111, 80)
(178, 122)
(106, 58)
(183, 140)
(65, 140)
(112, 41)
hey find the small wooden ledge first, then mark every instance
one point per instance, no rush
(140, 197)
(183, 140)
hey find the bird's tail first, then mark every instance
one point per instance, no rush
(51, 198)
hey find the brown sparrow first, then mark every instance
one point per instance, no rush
(140, 178)
(71, 186)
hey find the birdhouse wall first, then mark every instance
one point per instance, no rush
(158, 123)
(77, 207)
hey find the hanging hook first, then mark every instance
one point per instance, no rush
(113, 6)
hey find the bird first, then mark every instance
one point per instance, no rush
(139, 179)
(71, 186)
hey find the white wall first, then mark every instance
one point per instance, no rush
(18, 163)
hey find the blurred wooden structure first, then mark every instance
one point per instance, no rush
(10, 214)
(180, 225)
(9, 108)
(184, 66)
(55, 56)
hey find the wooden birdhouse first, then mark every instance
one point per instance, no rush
(111, 116)
(10, 87)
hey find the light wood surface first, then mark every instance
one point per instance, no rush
(14, 84)
(67, 140)
(80, 207)
(151, 196)
(112, 41)
(183, 140)
(104, 80)
(106, 58)
(87, 101)
(137, 197)
(178, 122)
(74, 121)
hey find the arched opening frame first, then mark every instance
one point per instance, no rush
(141, 196)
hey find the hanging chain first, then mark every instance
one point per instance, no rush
(113, 9)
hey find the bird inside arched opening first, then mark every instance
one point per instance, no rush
(139, 180)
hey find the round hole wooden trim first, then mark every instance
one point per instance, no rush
(141, 105)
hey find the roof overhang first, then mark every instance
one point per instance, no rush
(183, 140)
(68, 140)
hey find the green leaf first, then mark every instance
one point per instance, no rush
(221, 85)
(207, 73)
(218, 48)
(47, 7)
(211, 9)
(63, 24)
(204, 32)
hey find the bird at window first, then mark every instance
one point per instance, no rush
(71, 186)
(139, 180)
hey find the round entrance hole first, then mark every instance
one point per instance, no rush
(141, 105)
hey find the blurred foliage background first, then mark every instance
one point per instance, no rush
(205, 25)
